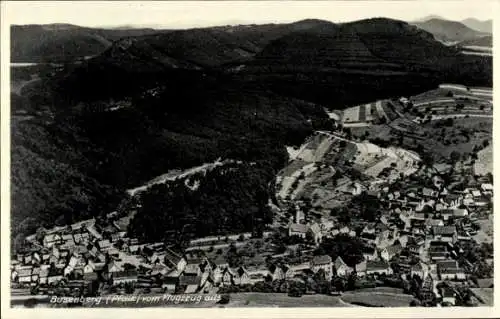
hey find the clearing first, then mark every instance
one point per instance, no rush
(377, 298)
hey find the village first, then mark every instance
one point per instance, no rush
(428, 235)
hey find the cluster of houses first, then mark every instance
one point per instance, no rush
(420, 232)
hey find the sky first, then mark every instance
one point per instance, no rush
(188, 14)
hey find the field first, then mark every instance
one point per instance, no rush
(485, 234)
(486, 295)
(283, 300)
(378, 298)
(365, 114)
(484, 163)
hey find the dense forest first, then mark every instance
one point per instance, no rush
(228, 200)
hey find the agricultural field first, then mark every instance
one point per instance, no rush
(377, 298)
(484, 163)
(283, 300)
(485, 295)
(365, 114)
(485, 233)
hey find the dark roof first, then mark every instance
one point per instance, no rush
(376, 265)
(447, 292)
(220, 260)
(321, 260)
(170, 280)
(394, 249)
(241, 271)
(172, 258)
(447, 264)
(122, 274)
(189, 280)
(444, 230)
(298, 228)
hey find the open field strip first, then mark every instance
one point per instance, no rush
(351, 114)
(478, 53)
(380, 109)
(434, 102)
(484, 163)
(479, 48)
(369, 114)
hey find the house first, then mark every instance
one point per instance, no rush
(219, 265)
(438, 252)
(315, 233)
(113, 267)
(433, 223)
(207, 285)
(117, 236)
(370, 254)
(276, 273)
(192, 269)
(228, 276)
(242, 276)
(189, 284)
(54, 277)
(361, 268)
(24, 274)
(122, 277)
(378, 267)
(449, 270)
(104, 244)
(445, 233)
(460, 212)
(448, 295)
(487, 188)
(427, 290)
(174, 260)
(43, 276)
(389, 252)
(170, 283)
(341, 268)
(476, 193)
(159, 269)
(297, 230)
(36, 257)
(429, 193)
(417, 270)
(51, 240)
(322, 262)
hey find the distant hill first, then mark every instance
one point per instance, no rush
(478, 25)
(63, 42)
(486, 41)
(449, 31)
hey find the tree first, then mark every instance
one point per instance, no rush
(339, 284)
(454, 156)
(351, 281)
(224, 299)
(350, 249)
(129, 288)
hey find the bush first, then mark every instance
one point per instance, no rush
(224, 299)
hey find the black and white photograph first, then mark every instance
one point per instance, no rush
(260, 154)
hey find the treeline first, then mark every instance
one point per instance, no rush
(228, 200)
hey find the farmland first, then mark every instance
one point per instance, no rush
(283, 300)
(378, 298)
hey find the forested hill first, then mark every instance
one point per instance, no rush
(155, 102)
